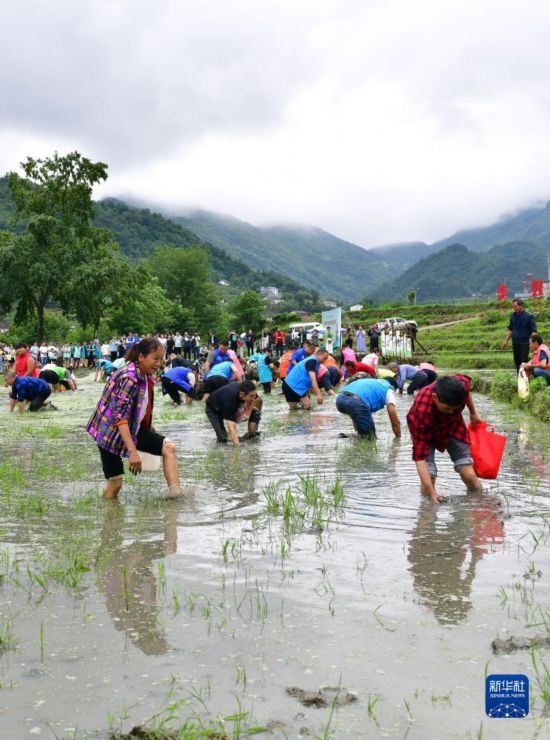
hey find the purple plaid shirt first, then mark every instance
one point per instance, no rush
(121, 400)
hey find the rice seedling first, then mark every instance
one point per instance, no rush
(176, 602)
(372, 701)
(231, 546)
(542, 672)
(271, 494)
(240, 676)
(30, 505)
(161, 574)
(7, 639)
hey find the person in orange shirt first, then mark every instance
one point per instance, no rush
(25, 364)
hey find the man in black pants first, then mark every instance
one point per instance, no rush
(232, 403)
(520, 327)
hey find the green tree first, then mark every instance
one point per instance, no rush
(248, 311)
(147, 309)
(54, 198)
(100, 279)
(185, 275)
(59, 187)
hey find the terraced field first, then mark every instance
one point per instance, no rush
(472, 343)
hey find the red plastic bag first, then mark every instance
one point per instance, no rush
(487, 449)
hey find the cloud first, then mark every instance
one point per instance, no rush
(378, 120)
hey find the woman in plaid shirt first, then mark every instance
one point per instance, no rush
(435, 422)
(121, 423)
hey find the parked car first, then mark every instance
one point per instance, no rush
(396, 323)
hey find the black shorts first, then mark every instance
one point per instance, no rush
(50, 376)
(290, 395)
(147, 441)
(214, 382)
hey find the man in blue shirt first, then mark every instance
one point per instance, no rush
(217, 355)
(131, 339)
(406, 372)
(178, 379)
(301, 379)
(362, 398)
(302, 352)
(27, 390)
(520, 327)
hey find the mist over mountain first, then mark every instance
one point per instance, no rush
(337, 269)
(308, 262)
(458, 272)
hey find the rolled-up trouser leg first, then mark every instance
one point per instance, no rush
(255, 415)
(218, 426)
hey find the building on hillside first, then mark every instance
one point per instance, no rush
(271, 293)
(223, 282)
(357, 307)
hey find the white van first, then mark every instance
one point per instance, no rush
(307, 327)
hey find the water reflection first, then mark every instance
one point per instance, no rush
(444, 549)
(125, 572)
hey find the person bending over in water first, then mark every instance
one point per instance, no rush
(435, 422)
(27, 390)
(300, 381)
(233, 403)
(361, 398)
(121, 423)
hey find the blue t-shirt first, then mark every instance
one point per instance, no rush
(179, 376)
(298, 356)
(374, 393)
(26, 388)
(298, 376)
(220, 357)
(222, 368)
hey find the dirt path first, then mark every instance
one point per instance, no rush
(447, 323)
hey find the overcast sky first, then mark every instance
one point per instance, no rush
(377, 120)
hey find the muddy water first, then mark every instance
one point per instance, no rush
(169, 612)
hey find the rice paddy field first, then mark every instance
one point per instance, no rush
(301, 588)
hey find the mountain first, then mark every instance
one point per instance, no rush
(402, 256)
(457, 272)
(530, 225)
(138, 231)
(336, 268)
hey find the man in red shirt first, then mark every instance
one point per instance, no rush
(435, 422)
(352, 367)
(25, 364)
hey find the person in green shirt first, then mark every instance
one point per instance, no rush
(58, 377)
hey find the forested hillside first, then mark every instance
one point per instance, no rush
(337, 269)
(457, 272)
(291, 257)
(139, 231)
